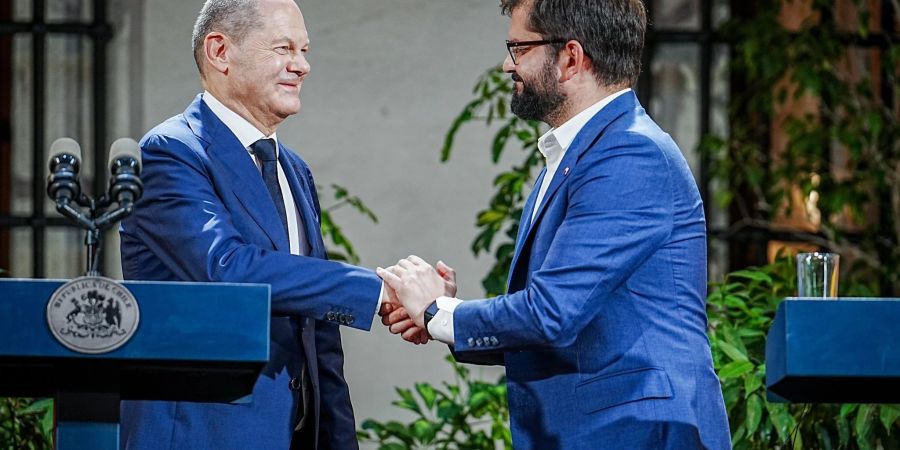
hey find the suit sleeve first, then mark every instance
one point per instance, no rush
(183, 221)
(619, 213)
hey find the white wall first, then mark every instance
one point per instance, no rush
(387, 79)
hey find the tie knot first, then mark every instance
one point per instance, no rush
(264, 149)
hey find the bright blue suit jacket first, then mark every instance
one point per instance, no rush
(206, 216)
(603, 328)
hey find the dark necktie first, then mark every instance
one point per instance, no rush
(264, 149)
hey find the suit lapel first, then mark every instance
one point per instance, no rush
(303, 199)
(525, 221)
(586, 138)
(241, 173)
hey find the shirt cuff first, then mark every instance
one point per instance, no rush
(380, 299)
(441, 325)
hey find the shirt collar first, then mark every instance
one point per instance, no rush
(555, 141)
(246, 133)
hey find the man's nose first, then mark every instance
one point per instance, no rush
(299, 65)
(508, 65)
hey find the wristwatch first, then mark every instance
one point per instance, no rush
(430, 312)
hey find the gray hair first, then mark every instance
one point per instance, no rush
(233, 18)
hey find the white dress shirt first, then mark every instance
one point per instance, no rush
(553, 145)
(247, 134)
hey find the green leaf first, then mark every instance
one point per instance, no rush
(781, 419)
(888, 415)
(732, 351)
(754, 413)
(735, 369)
(478, 399)
(428, 394)
(408, 401)
(424, 431)
(38, 406)
(393, 446)
(848, 408)
(751, 384)
(757, 275)
(863, 425)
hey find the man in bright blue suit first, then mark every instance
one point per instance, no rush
(603, 328)
(225, 201)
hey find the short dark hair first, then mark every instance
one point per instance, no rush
(610, 31)
(233, 18)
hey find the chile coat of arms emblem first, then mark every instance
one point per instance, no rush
(92, 315)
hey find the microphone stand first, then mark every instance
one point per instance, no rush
(94, 223)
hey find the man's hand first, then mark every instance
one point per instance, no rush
(417, 284)
(394, 316)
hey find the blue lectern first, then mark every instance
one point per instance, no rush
(834, 351)
(161, 341)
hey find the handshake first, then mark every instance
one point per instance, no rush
(410, 287)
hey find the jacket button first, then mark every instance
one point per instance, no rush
(494, 340)
(471, 342)
(478, 342)
(350, 319)
(329, 316)
(295, 384)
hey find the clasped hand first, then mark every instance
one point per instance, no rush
(411, 285)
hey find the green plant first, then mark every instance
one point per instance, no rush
(741, 309)
(333, 232)
(26, 424)
(470, 414)
(838, 115)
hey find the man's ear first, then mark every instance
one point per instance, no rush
(572, 60)
(216, 48)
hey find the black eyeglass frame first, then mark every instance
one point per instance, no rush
(510, 45)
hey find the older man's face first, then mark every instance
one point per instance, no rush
(267, 69)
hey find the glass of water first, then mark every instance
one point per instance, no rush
(817, 275)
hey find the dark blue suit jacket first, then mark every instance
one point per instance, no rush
(603, 329)
(206, 216)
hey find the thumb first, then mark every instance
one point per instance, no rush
(392, 280)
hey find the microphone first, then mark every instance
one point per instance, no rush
(125, 185)
(63, 185)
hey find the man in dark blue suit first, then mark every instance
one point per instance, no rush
(226, 201)
(603, 328)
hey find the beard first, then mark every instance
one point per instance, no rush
(540, 99)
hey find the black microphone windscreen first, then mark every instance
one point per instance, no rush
(125, 148)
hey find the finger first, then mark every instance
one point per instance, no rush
(398, 315)
(413, 335)
(424, 337)
(406, 264)
(446, 271)
(386, 319)
(386, 308)
(392, 280)
(397, 270)
(402, 326)
(416, 260)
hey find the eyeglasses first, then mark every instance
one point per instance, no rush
(516, 47)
